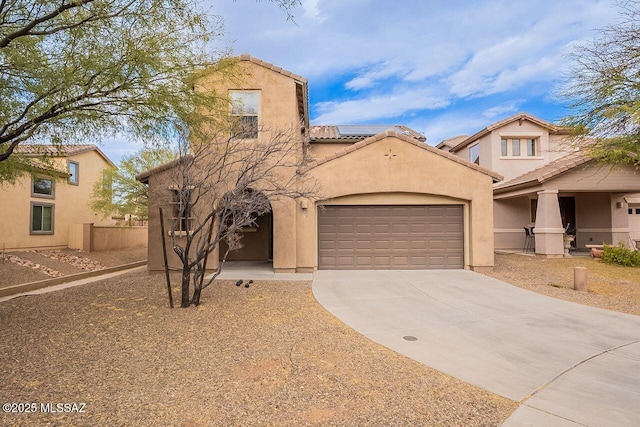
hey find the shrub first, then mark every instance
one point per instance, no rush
(621, 255)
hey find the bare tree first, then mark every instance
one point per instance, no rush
(603, 90)
(224, 184)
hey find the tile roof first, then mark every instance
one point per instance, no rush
(520, 116)
(331, 133)
(270, 66)
(546, 172)
(452, 142)
(37, 150)
(391, 133)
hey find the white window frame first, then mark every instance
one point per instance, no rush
(476, 148)
(516, 142)
(241, 111)
(532, 147)
(509, 141)
(73, 180)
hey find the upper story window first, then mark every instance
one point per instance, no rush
(474, 154)
(107, 180)
(73, 169)
(245, 105)
(513, 147)
(531, 147)
(42, 187)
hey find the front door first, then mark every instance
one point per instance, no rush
(568, 214)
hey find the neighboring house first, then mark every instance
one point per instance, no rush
(390, 201)
(39, 210)
(550, 184)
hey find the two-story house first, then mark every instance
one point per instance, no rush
(388, 200)
(40, 208)
(552, 186)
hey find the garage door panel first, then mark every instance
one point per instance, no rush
(390, 237)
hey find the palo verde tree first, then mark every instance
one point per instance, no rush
(221, 185)
(603, 89)
(119, 191)
(75, 70)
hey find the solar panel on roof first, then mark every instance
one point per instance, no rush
(364, 130)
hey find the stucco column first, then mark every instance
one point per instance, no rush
(619, 220)
(87, 237)
(549, 233)
(306, 236)
(284, 236)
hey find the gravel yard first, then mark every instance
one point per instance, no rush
(612, 287)
(267, 355)
(30, 266)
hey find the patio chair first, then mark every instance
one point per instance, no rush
(529, 240)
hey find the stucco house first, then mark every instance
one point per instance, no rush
(40, 209)
(389, 200)
(551, 187)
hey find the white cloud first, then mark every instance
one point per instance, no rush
(378, 107)
(392, 59)
(509, 107)
(448, 125)
(312, 11)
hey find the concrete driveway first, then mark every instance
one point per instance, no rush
(566, 364)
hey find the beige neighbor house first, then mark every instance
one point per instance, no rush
(551, 186)
(39, 211)
(389, 201)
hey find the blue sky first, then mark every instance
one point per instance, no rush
(443, 68)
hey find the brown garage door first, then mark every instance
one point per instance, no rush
(390, 237)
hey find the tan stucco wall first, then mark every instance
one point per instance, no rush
(278, 101)
(70, 201)
(319, 150)
(111, 238)
(390, 170)
(411, 175)
(510, 216)
(550, 147)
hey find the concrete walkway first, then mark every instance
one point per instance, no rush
(567, 364)
(257, 270)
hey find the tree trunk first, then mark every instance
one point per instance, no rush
(197, 285)
(186, 276)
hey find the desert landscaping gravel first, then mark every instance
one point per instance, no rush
(268, 355)
(612, 287)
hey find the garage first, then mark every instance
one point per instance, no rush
(391, 237)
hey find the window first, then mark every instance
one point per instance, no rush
(630, 210)
(515, 147)
(73, 168)
(531, 147)
(181, 210)
(474, 154)
(42, 187)
(107, 180)
(245, 106)
(41, 218)
(637, 211)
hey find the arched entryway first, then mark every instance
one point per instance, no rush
(256, 240)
